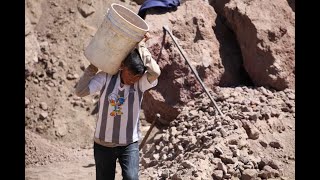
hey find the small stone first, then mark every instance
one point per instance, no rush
(156, 156)
(253, 116)
(51, 84)
(243, 159)
(222, 167)
(187, 164)
(223, 132)
(227, 159)
(62, 64)
(71, 77)
(275, 144)
(76, 76)
(43, 106)
(26, 102)
(246, 109)
(61, 131)
(236, 153)
(263, 143)
(86, 10)
(249, 174)
(227, 176)
(217, 174)
(274, 164)
(252, 132)
(291, 96)
(173, 131)
(43, 115)
(268, 172)
(218, 150)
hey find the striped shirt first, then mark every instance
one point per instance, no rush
(119, 108)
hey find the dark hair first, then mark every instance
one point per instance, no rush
(134, 62)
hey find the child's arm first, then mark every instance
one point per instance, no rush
(89, 78)
(153, 69)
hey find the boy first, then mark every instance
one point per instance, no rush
(117, 130)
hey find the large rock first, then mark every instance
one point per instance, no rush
(266, 33)
(208, 44)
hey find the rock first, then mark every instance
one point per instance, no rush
(145, 162)
(223, 132)
(222, 167)
(291, 96)
(26, 102)
(268, 172)
(43, 115)
(274, 164)
(265, 31)
(187, 164)
(249, 174)
(61, 130)
(236, 153)
(246, 109)
(173, 131)
(156, 156)
(227, 159)
(62, 64)
(252, 131)
(253, 116)
(76, 76)
(217, 174)
(263, 143)
(243, 159)
(85, 9)
(275, 144)
(218, 150)
(43, 106)
(72, 76)
(176, 177)
(165, 173)
(242, 143)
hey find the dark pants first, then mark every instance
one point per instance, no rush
(105, 159)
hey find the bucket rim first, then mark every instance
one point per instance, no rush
(115, 4)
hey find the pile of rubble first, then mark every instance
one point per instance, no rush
(200, 144)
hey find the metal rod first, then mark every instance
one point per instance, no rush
(193, 70)
(149, 131)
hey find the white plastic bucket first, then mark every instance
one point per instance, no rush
(118, 34)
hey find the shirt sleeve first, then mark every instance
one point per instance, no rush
(144, 84)
(97, 82)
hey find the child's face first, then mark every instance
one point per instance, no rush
(128, 77)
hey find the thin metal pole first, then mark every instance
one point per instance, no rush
(149, 131)
(193, 70)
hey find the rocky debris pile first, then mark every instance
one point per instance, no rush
(200, 144)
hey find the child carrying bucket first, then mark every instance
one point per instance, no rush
(117, 130)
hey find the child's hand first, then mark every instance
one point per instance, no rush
(146, 37)
(92, 67)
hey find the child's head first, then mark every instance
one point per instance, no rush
(132, 68)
